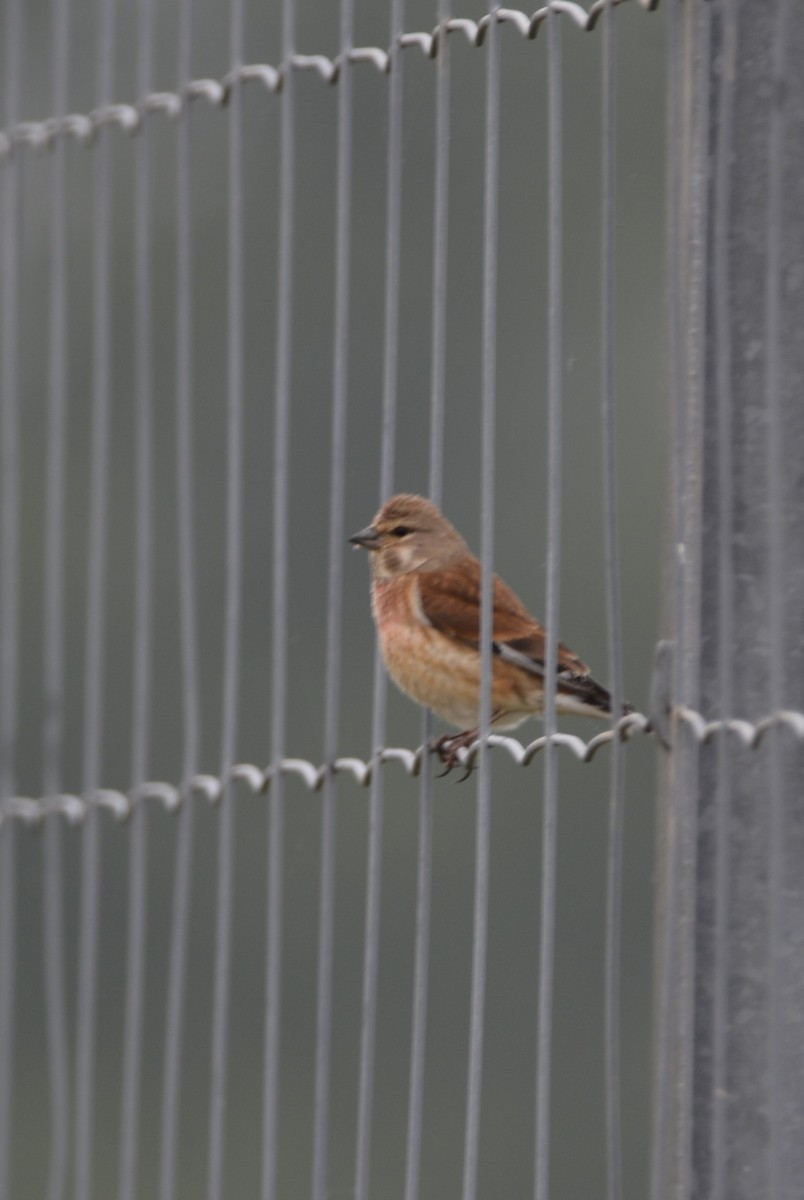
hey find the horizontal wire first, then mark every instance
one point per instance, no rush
(40, 135)
(211, 787)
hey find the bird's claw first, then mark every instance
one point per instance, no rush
(448, 747)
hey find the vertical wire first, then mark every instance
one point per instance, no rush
(279, 639)
(438, 363)
(95, 624)
(776, 594)
(549, 832)
(188, 626)
(483, 821)
(725, 467)
(387, 461)
(614, 865)
(334, 608)
(670, 919)
(53, 678)
(689, 640)
(10, 233)
(138, 849)
(231, 667)
(418, 1040)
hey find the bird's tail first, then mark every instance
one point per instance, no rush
(583, 692)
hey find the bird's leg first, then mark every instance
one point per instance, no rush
(448, 747)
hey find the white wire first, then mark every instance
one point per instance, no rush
(549, 830)
(418, 1039)
(136, 961)
(725, 467)
(188, 631)
(95, 624)
(9, 574)
(53, 681)
(334, 611)
(779, 1173)
(279, 632)
(387, 462)
(487, 471)
(232, 625)
(614, 866)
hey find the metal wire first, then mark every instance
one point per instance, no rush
(387, 462)
(774, 300)
(614, 865)
(438, 362)
(334, 612)
(232, 623)
(40, 135)
(95, 625)
(10, 232)
(143, 641)
(53, 680)
(418, 1039)
(75, 808)
(421, 964)
(188, 630)
(279, 632)
(688, 619)
(554, 451)
(669, 917)
(725, 467)
(487, 465)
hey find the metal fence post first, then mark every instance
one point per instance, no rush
(730, 1050)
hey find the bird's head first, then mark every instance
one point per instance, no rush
(409, 534)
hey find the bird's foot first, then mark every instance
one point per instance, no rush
(447, 748)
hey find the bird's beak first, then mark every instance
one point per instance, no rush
(369, 538)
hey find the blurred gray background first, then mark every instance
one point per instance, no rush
(506, 1161)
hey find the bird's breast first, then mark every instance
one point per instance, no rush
(438, 672)
(395, 602)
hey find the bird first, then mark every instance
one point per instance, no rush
(426, 601)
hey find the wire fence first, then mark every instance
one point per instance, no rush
(220, 343)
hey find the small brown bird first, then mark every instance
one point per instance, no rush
(425, 597)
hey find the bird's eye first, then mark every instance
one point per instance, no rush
(400, 531)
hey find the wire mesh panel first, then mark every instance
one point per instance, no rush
(263, 266)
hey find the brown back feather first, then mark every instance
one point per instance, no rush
(450, 600)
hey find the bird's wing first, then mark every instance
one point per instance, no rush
(450, 602)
